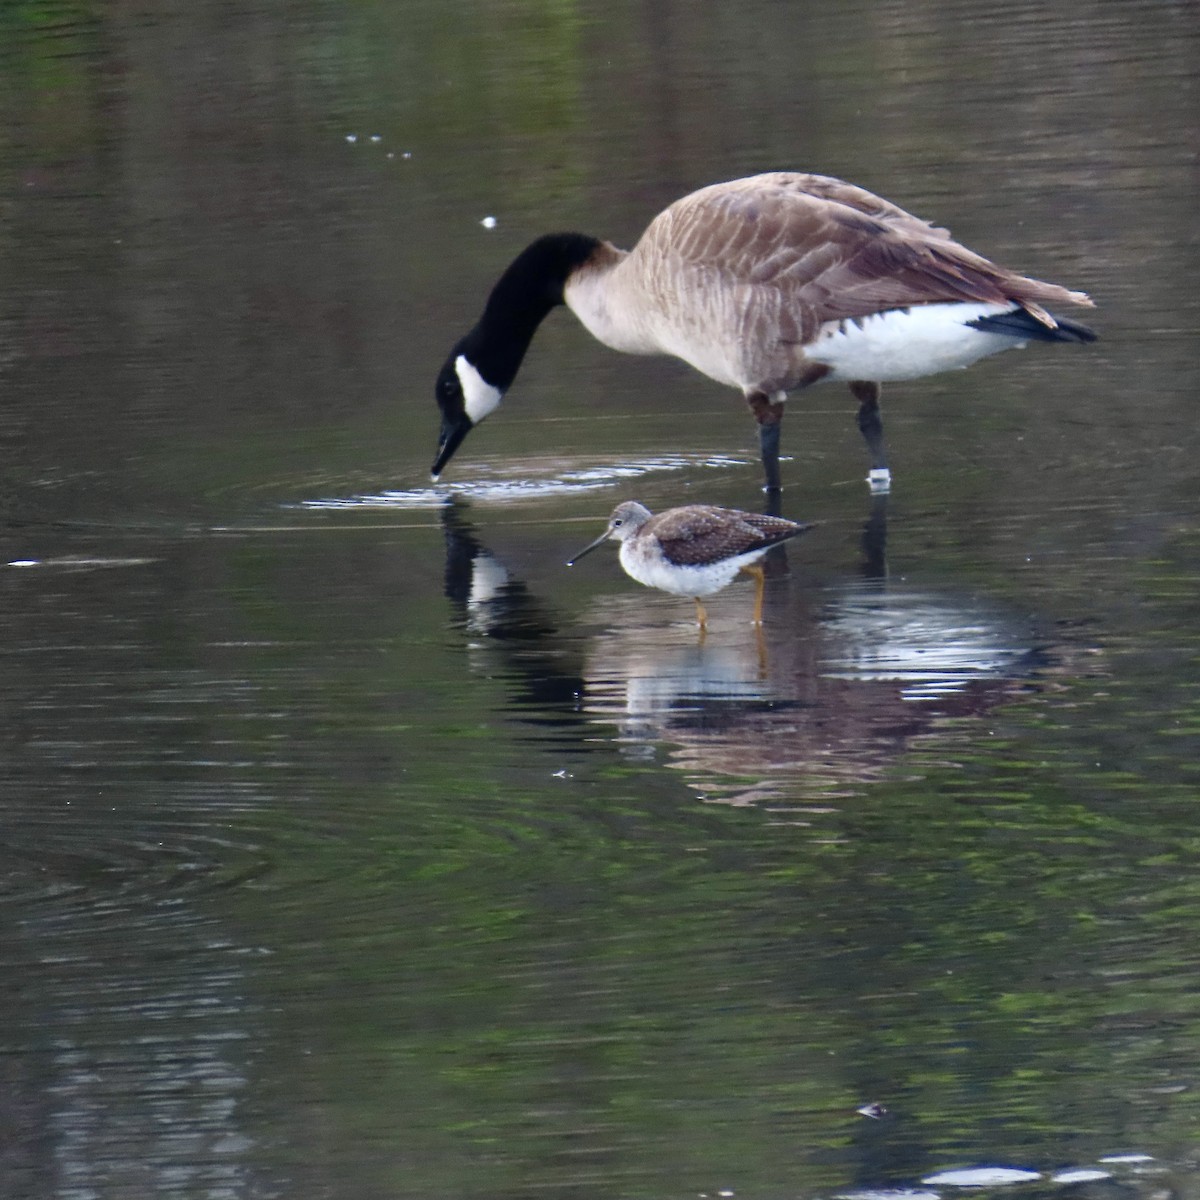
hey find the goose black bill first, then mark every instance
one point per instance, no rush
(454, 429)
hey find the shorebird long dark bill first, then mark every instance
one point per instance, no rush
(589, 548)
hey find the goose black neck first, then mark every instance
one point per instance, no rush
(530, 287)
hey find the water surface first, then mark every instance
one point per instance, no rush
(350, 845)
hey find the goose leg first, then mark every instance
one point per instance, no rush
(769, 417)
(870, 422)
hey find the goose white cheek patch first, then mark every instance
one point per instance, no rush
(479, 396)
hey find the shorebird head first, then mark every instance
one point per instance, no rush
(626, 520)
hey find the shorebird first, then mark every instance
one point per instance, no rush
(695, 550)
(769, 284)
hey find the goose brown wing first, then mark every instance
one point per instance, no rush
(838, 191)
(828, 251)
(702, 534)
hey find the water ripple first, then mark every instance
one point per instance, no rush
(519, 480)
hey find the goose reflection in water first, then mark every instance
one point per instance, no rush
(855, 671)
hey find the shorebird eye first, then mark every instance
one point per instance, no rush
(618, 521)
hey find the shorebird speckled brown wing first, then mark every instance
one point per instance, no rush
(700, 533)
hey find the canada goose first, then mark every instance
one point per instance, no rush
(768, 284)
(695, 550)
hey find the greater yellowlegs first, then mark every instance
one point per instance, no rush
(695, 550)
(767, 284)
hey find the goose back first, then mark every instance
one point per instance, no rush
(740, 277)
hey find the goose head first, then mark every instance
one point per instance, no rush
(465, 397)
(483, 365)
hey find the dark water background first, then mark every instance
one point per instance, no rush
(350, 846)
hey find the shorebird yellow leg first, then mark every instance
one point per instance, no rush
(701, 615)
(760, 582)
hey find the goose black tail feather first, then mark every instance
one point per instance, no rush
(1019, 324)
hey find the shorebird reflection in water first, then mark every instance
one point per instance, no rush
(695, 550)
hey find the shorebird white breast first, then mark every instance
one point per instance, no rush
(643, 560)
